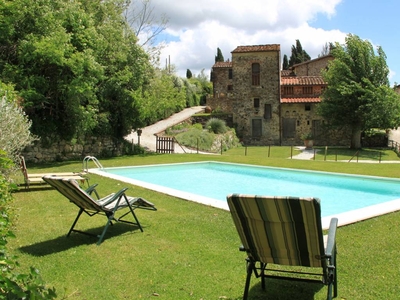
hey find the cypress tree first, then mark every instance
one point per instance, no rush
(219, 56)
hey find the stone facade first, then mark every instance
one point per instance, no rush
(270, 106)
(312, 67)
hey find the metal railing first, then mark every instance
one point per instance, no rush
(90, 158)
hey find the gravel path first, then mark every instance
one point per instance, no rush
(148, 139)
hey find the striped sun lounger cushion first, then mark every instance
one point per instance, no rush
(279, 230)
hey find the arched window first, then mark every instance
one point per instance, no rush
(255, 74)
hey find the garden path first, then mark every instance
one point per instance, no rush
(148, 139)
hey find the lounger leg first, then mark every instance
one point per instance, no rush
(110, 218)
(250, 267)
(76, 220)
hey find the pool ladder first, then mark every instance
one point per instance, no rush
(90, 158)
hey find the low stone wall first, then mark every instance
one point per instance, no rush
(62, 151)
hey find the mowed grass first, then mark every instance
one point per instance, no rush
(188, 250)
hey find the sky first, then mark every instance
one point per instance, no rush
(196, 28)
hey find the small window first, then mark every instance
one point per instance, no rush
(307, 90)
(255, 74)
(230, 87)
(230, 74)
(256, 103)
(267, 111)
(307, 107)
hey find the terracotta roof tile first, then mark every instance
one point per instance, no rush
(257, 48)
(287, 73)
(301, 100)
(223, 64)
(302, 80)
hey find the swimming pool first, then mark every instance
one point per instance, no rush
(349, 197)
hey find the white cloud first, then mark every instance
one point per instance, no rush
(197, 28)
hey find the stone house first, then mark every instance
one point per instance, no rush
(269, 106)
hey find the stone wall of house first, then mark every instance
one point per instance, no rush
(221, 103)
(246, 115)
(308, 121)
(222, 82)
(312, 67)
(62, 151)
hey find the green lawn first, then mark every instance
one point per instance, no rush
(188, 250)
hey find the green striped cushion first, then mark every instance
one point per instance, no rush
(279, 230)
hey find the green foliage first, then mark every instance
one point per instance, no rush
(285, 64)
(298, 55)
(196, 138)
(76, 65)
(189, 74)
(15, 285)
(165, 95)
(219, 57)
(15, 132)
(216, 125)
(358, 95)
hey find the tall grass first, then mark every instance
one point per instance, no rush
(188, 250)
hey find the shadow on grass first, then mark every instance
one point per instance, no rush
(63, 243)
(276, 289)
(35, 188)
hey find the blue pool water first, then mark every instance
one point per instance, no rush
(338, 192)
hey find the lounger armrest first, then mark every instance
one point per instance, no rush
(113, 197)
(330, 246)
(92, 189)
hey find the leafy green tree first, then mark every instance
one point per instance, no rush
(358, 95)
(285, 64)
(219, 57)
(298, 55)
(76, 65)
(164, 96)
(189, 74)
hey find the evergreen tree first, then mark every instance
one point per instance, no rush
(189, 74)
(298, 54)
(219, 57)
(285, 65)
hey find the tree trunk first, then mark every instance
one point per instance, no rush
(355, 138)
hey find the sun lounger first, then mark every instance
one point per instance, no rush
(107, 206)
(285, 231)
(32, 178)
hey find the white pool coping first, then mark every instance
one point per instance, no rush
(345, 218)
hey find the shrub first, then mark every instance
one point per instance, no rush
(15, 126)
(12, 284)
(216, 125)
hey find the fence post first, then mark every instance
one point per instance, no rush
(245, 151)
(269, 150)
(291, 152)
(221, 147)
